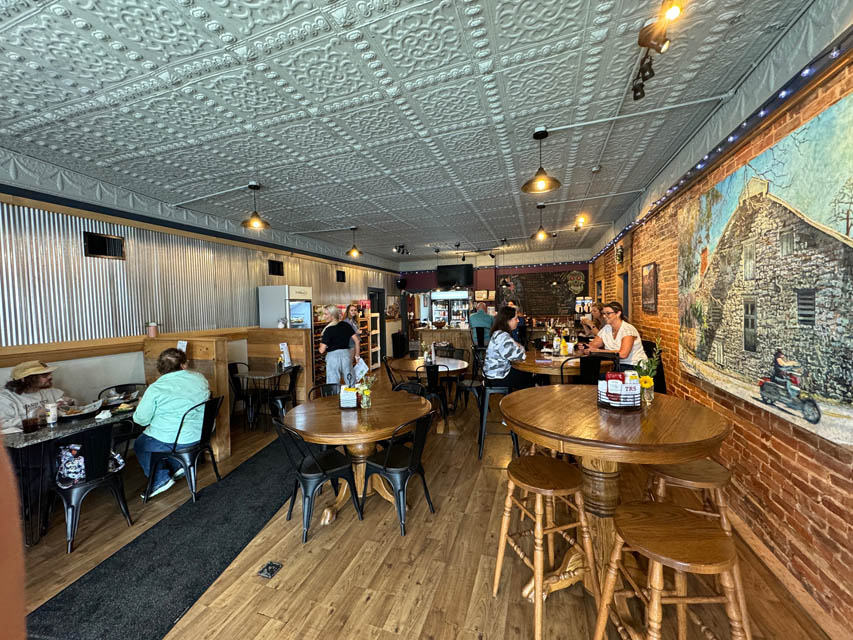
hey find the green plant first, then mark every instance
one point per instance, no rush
(650, 367)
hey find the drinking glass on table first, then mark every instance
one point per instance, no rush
(35, 413)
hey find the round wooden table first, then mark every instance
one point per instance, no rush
(410, 365)
(567, 418)
(322, 421)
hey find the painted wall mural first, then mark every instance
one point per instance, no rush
(765, 277)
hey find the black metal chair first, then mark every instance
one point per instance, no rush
(474, 384)
(415, 388)
(432, 377)
(324, 390)
(444, 351)
(187, 456)
(312, 469)
(386, 361)
(289, 394)
(239, 393)
(124, 431)
(480, 341)
(397, 463)
(488, 392)
(660, 377)
(590, 368)
(96, 451)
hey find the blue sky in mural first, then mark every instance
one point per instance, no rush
(806, 169)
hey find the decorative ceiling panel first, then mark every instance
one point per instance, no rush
(407, 118)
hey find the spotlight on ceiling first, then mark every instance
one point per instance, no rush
(671, 10)
(492, 255)
(505, 283)
(463, 257)
(395, 250)
(255, 221)
(638, 89)
(541, 182)
(653, 36)
(646, 71)
(353, 252)
(457, 244)
(436, 250)
(596, 168)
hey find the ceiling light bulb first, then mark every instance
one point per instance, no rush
(354, 252)
(673, 12)
(581, 220)
(540, 185)
(541, 234)
(665, 46)
(394, 249)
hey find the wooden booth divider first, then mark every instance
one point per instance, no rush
(263, 349)
(208, 356)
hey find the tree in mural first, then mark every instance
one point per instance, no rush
(842, 207)
(695, 236)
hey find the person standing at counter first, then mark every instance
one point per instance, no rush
(481, 319)
(30, 383)
(335, 343)
(502, 351)
(161, 409)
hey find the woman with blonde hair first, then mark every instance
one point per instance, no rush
(335, 343)
(593, 324)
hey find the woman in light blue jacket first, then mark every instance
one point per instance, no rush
(164, 404)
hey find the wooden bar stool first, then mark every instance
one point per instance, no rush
(546, 478)
(709, 478)
(670, 536)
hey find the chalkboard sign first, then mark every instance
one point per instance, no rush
(547, 293)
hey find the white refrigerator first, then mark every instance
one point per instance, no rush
(285, 303)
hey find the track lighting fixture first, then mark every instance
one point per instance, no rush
(353, 252)
(541, 182)
(436, 250)
(457, 244)
(638, 89)
(492, 255)
(401, 249)
(540, 234)
(646, 71)
(255, 221)
(463, 257)
(653, 36)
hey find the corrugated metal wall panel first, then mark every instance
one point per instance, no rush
(51, 292)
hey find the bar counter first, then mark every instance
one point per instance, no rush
(459, 338)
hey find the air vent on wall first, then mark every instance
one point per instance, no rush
(341, 276)
(276, 267)
(99, 245)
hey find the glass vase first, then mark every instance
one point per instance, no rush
(365, 399)
(648, 395)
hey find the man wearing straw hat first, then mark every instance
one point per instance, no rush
(30, 383)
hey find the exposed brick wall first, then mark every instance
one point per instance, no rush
(793, 488)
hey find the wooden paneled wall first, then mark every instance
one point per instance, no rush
(208, 356)
(263, 349)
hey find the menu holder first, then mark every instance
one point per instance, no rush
(348, 398)
(620, 390)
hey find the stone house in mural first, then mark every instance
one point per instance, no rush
(778, 280)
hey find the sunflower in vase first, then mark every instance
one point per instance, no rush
(647, 370)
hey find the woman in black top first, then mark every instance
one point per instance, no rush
(335, 343)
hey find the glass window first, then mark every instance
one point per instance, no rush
(786, 243)
(750, 321)
(749, 261)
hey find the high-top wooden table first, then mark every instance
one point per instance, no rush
(322, 421)
(567, 418)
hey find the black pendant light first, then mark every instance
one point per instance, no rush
(354, 252)
(540, 234)
(255, 221)
(541, 182)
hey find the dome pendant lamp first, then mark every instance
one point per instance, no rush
(354, 252)
(255, 221)
(540, 234)
(541, 182)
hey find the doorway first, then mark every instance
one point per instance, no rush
(377, 305)
(623, 292)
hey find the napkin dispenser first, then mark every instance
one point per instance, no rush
(348, 398)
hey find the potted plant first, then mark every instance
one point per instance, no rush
(647, 370)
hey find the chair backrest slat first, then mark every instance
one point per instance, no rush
(208, 421)
(324, 390)
(415, 388)
(422, 426)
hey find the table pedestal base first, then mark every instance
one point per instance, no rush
(375, 485)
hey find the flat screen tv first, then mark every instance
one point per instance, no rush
(455, 274)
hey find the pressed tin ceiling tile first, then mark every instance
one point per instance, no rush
(413, 116)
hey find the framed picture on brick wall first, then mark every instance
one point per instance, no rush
(650, 287)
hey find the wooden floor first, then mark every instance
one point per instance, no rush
(363, 580)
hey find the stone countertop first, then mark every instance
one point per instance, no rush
(61, 430)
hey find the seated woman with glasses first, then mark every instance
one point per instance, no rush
(617, 336)
(502, 351)
(165, 402)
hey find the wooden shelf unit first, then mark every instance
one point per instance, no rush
(368, 343)
(375, 348)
